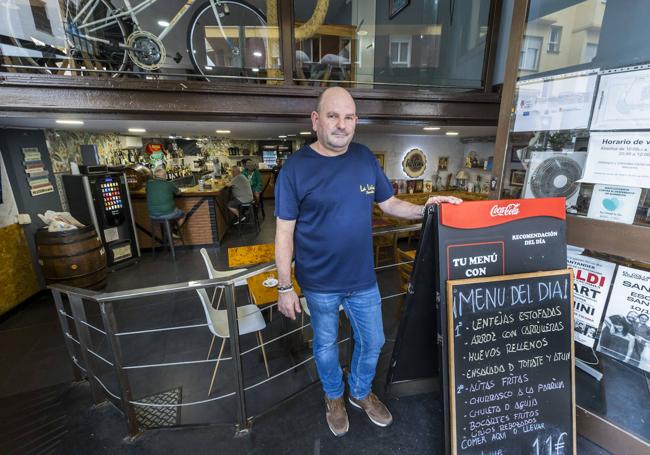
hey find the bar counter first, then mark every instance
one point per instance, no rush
(206, 215)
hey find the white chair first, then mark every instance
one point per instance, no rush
(249, 319)
(215, 274)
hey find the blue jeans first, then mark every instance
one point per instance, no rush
(364, 312)
(176, 214)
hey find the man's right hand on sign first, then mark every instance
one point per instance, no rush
(288, 304)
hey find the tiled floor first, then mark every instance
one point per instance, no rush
(34, 368)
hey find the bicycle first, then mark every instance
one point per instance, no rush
(102, 38)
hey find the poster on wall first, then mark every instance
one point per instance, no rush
(555, 103)
(38, 177)
(614, 203)
(622, 102)
(626, 328)
(591, 283)
(618, 157)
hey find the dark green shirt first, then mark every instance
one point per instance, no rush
(160, 197)
(255, 178)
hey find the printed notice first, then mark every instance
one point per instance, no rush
(618, 157)
(511, 364)
(614, 203)
(626, 327)
(559, 103)
(592, 280)
(622, 102)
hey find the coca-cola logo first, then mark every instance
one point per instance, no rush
(506, 210)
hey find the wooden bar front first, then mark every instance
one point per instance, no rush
(206, 215)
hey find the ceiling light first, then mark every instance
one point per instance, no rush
(362, 32)
(282, 136)
(291, 135)
(163, 23)
(223, 131)
(70, 122)
(188, 138)
(305, 133)
(452, 133)
(257, 54)
(255, 70)
(172, 137)
(431, 128)
(209, 68)
(137, 130)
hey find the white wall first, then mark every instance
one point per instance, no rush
(396, 147)
(8, 209)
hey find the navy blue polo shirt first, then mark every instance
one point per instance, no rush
(331, 199)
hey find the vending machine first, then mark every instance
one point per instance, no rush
(102, 199)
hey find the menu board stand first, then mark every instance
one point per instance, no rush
(511, 364)
(474, 239)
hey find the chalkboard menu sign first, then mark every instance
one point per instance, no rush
(511, 372)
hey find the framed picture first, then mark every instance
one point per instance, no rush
(517, 177)
(443, 161)
(380, 160)
(410, 186)
(396, 6)
(514, 158)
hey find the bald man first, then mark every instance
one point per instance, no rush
(241, 193)
(324, 198)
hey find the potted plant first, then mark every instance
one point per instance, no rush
(557, 140)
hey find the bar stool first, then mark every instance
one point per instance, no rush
(249, 210)
(165, 233)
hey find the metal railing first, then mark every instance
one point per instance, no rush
(83, 348)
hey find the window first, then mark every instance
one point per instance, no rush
(305, 52)
(345, 46)
(554, 39)
(400, 51)
(529, 56)
(39, 13)
(591, 49)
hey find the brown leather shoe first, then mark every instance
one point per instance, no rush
(376, 411)
(337, 416)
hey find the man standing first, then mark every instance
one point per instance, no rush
(324, 197)
(241, 193)
(254, 177)
(275, 170)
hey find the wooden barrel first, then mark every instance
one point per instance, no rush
(75, 258)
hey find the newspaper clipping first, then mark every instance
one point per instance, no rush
(626, 330)
(592, 280)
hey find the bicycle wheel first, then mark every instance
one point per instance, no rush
(229, 43)
(95, 38)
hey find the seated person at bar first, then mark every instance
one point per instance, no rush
(160, 196)
(254, 177)
(241, 193)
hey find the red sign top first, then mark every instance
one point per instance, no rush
(481, 214)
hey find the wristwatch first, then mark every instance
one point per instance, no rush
(422, 211)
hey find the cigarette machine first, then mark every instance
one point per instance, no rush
(102, 199)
